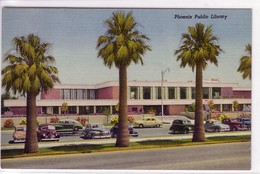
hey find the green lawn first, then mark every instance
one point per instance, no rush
(72, 149)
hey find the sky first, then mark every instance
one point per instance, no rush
(73, 33)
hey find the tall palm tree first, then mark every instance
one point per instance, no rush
(119, 46)
(198, 47)
(28, 71)
(245, 63)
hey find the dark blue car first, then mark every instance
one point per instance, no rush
(114, 129)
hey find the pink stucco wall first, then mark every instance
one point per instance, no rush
(227, 92)
(22, 110)
(51, 94)
(108, 93)
(172, 110)
(243, 94)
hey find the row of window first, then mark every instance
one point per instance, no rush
(78, 94)
(172, 93)
(137, 92)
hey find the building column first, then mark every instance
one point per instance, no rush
(59, 110)
(221, 107)
(77, 109)
(210, 93)
(141, 92)
(166, 93)
(177, 93)
(111, 109)
(95, 109)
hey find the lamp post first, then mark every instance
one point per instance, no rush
(162, 89)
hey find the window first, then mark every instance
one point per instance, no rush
(79, 94)
(171, 93)
(193, 92)
(205, 93)
(158, 93)
(183, 93)
(66, 94)
(92, 94)
(146, 92)
(216, 93)
(134, 93)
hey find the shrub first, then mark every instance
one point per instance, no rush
(82, 120)
(222, 117)
(24, 122)
(54, 120)
(9, 123)
(114, 120)
(186, 109)
(130, 119)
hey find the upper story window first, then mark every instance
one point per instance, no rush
(147, 93)
(171, 93)
(205, 93)
(216, 93)
(134, 92)
(158, 93)
(183, 93)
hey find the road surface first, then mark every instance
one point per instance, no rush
(232, 156)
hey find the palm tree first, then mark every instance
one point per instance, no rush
(198, 47)
(245, 63)
(121, 45)
(28, 71)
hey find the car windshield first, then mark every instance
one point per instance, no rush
(20, 128)
(51, 127)
(186, 122)
(97, 126)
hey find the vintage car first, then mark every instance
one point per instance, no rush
(245, 121)
(47, 132)
(68, 126)
(182, 126)
(114, 129)
(234, 124)
(147, 122)
(95, 130)
(215, 126)
(19, 134)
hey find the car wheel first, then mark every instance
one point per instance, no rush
(157, 125)
(217, 130)
(76, 129)
(186, 131)
(141, 125)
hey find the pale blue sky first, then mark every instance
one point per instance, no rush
(73, 34)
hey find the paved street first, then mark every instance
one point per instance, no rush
(233, 156)
(144, 134)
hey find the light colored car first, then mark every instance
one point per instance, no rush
(216, 126)
(19, 134)
(148, 122)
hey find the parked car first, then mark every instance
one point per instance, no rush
(182, 126)
(95, 130)
(215, 126)
(147, 122)
(114, 129)
(234, 124)
(19, 134)
(47, 132)
(68, 125)
(245, 121)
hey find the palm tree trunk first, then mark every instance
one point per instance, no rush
(31, 143)
(199, 131)
(123, 133)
